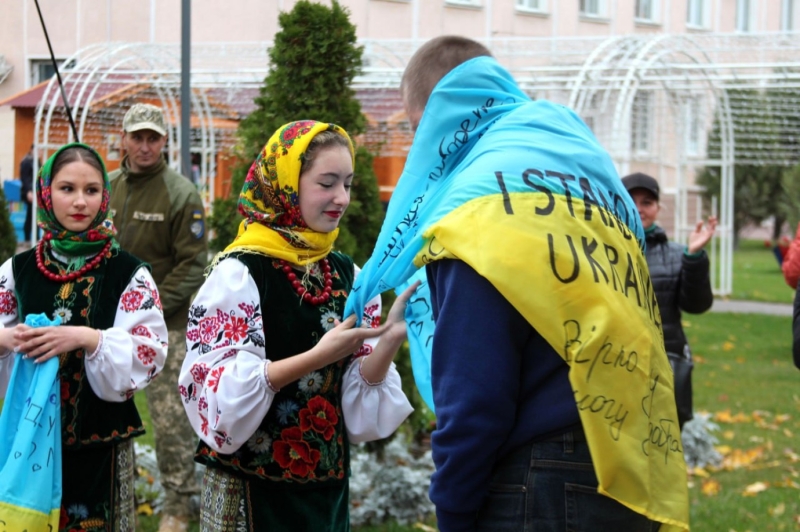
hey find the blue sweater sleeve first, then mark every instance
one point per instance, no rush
(477, 347)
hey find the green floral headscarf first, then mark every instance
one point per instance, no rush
(64, 241)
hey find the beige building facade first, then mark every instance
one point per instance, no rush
(76, 24)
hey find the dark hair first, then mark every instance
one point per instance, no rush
(76, 153)
(433, 61)
(323, 139)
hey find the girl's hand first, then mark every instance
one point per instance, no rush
(395, 319)
(7, 340)
(344, 340)
(44, 343)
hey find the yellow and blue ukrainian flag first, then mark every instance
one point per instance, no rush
(522, 192)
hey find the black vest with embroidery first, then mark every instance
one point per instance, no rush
(302, 440)
(90, 300)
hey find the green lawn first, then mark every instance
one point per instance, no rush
(744, 375)
(756, 274)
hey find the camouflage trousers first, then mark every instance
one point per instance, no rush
(176, 442)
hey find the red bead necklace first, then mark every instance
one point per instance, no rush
(66, 277)
(322, 296)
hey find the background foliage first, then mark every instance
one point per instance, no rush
(312, 65)
(767, 147)
(8, 238)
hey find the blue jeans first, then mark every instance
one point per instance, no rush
(551, 486)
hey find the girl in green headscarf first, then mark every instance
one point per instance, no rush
(111, 343)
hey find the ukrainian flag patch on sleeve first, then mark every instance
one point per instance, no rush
(197, 226)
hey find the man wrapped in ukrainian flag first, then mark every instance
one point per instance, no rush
(535, 335)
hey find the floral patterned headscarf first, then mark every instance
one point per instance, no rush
(270, 203)
(68, 242)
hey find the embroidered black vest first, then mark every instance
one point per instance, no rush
(302, 440)
(90, 300)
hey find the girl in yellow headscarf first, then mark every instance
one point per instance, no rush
(274, 382)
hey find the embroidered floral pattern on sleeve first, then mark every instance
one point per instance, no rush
(302, 438)
(142, 296)
(8, 302)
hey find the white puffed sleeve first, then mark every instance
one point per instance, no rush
(8, 319)
(222, 382)
(372, 410)
(134, 349)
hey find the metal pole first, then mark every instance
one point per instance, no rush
(186, 96)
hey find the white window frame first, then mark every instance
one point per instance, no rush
(639, 14)
(788, 14)
(745, 16)
(693, 125)
(531, 6)
(470, 3)
(698, 14)
(34, 64)
(641, 122)
(593, 8)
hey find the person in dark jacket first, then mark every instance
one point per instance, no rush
(680, 274)
(26, 178)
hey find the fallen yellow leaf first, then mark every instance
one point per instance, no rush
(726, 417)
(728, 434)
(723, 449)
(144, 509)
(755, 488)
(700, 472)
(424, 527)
(787, 483)
(710, 487)
(740, 360)
(728, 346)
(787, 433)
(738, 458)
(778, 510)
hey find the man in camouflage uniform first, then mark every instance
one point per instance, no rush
(160, 218)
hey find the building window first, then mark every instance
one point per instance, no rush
(641, 113)
(593, 8)
(697, 14)
(42, 69)
(646, 10)
(744, 15)
(464, 2)
(693, 125)
(538, 6)
(787, 15)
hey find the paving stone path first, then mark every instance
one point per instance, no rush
(752, 307)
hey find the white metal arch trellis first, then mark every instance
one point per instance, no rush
(620, 67)
(600, 77)
(111, 68)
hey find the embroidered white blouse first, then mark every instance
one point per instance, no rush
(128, 355)
(229, 381)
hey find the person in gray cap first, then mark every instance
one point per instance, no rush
(680, 277)
(160, 218)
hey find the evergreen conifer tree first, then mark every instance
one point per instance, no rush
(313, 61)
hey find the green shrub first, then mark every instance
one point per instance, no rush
(312, 66)
(8, 238)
